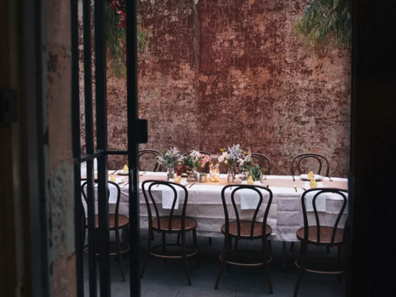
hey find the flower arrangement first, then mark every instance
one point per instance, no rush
(170, 158)
(235, 156)
(231, 156)
(246, 164)
(196, 160)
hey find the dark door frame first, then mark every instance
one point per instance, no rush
(371, 178)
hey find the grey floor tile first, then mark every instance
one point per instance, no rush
(194, 291)
(152, 288)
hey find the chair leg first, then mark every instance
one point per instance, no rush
(266, 258)
(151, 234)
(269, 246)
(147, 253)
(291, 246)
(185, 257)
(328, 249)
(339, 259)
(120, 254)
(178, 238)
(236, 243)
(196, 247)
(210, 241)
(303, 255)
(163, 245)
(229, 248)
(223, 259)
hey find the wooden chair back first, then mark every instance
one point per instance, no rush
(316, 158)
(147, 188)
(150, 154)
(263, 161)
(319, 191)
(256, 189)
(117, 187)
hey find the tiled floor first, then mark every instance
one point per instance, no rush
(167, 280)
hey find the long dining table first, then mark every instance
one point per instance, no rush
(205, 203)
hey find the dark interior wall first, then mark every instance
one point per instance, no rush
(372, 204)
(222, 72)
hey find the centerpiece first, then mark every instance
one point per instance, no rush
(230, 157)
(169, 160)
(249, 168)
(194, 161)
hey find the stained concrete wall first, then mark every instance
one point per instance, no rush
(218, 72)
(60, 191)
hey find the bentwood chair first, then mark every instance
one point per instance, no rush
(245, 229)
(328, 235)
(304, 163)
(263, 161)
(169, 224)
(148, 159)
(117, 222)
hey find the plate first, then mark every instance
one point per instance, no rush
(184, 175)
(120, 172)
(316, 177)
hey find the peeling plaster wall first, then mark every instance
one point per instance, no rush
(60, 180)
(219, 72)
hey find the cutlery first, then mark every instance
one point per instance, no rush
(294, 178)
(330, 180)
(114, 172)
(304, 189)
(191, 185)
(295, 187)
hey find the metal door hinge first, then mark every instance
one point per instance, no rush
(143, 130)
(8, 106)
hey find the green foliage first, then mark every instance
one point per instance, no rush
(255, 172)
(116, 39)
(326, 22)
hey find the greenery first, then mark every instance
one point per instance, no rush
(256, 172)
(116, 39)
(326, 22)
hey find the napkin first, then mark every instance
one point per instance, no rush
(249, 199)
(320, 201)
(168, 196)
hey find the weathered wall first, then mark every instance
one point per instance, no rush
(219, 72)
(60, 191)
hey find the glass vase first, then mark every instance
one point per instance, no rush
(230, 175)
(171, 172)
(192, 175)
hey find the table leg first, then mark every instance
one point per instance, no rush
(284, 266)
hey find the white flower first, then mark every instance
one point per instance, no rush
(225, 162)
(225, 154)
(220, 158)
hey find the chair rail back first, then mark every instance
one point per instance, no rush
(84, 185)
(296, 163)
(320, 191)
(148, 197)
(262, 159)
(151, 153)
(261, 198)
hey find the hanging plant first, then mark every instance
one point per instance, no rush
(116, 23)
(326, 22)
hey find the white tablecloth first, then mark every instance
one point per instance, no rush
(285, 215)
